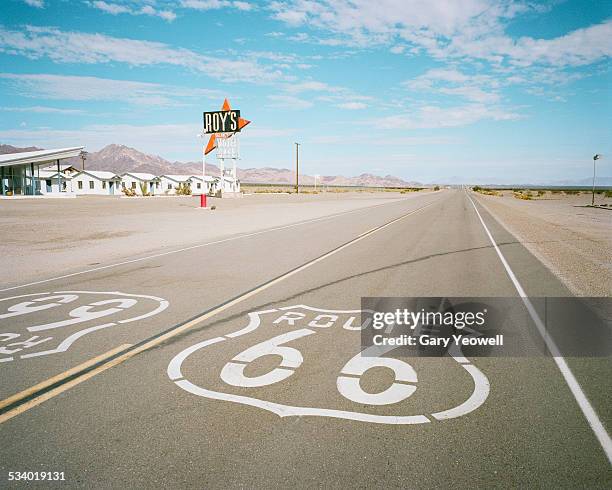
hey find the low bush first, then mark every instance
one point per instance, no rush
(143, 189)
(525, 196)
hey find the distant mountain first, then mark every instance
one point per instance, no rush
(599, 181)
(120, 158)
(490, 181)
(4, 149)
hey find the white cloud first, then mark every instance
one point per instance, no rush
(352, 106)
(398, 49)
(110, 8)
(39, 4)
(245, 6)
(217, 4)
(429, 117)
(310, 86)
(63, 87)
(116, 8)
(446, 28)
(42, 109)
(475, 88)
(289, 102)
(78, 47)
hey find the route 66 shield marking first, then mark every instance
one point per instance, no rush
(41, 324)
(306, 323)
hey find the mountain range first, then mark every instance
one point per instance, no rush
(120, 159)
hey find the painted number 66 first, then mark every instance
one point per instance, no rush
(347, 383)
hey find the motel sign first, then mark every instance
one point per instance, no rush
(222, 122)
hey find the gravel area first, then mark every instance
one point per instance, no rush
(572, 240)
(44, 238)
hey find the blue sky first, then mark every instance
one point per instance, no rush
(486, 90)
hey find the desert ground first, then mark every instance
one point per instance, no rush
(48, 237)
(573, 240)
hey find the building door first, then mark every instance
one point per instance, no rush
(111, 188)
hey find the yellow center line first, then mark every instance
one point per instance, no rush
(56, 379)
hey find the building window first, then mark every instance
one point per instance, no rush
(80, 184)
(123, 185)
(38, 185)
(91, 184)
(103, 184)
(133, 185)
(199, 185)
(169, 187)
(157, 185)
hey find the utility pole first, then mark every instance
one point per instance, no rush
(83, 158)
(297, 168)
(596, 157)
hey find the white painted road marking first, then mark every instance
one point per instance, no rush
(347, 381)
(12, 343)
(583, 402)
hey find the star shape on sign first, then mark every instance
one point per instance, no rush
(212, 142)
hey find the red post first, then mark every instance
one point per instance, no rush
(202, 200)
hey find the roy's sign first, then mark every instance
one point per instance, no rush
(222, 122)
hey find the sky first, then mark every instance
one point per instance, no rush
(462, 91)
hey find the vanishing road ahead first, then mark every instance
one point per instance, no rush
(187, 387)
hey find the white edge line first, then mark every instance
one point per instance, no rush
(201, 245)
(587, 409)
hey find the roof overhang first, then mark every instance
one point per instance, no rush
(99, 177)
(39, 157)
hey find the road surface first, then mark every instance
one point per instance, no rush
(212, 366)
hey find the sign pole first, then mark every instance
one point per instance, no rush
(596, 157)
(204, 190)
(297, 168)
(224, 125)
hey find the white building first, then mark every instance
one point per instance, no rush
(211, 184)
(230, 186)
(170, 183)
(20, 173)
(96, 182)
(135, 180)
(49, 182)
(64, 168)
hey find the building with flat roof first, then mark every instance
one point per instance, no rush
(19, 172)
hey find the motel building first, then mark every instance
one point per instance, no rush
(49, 183)
(133, 180)
(96, 182)
(230, 187)
(65, 169)
(20, 173)
(211, 184)
(169, 184)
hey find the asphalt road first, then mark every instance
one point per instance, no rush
(199, 401)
